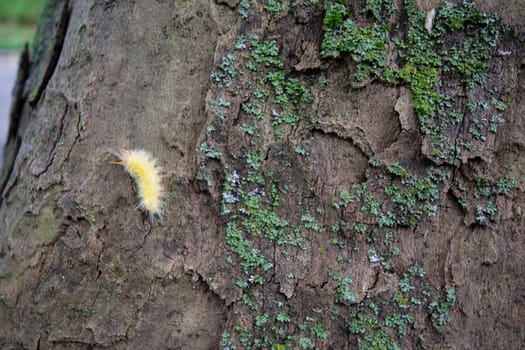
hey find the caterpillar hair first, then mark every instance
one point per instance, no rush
(144, 169)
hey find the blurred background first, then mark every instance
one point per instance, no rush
(18, 20)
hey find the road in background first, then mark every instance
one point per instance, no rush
(8, 67)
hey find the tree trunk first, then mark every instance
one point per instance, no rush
(339, 175)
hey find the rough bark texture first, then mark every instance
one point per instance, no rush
(346, 196)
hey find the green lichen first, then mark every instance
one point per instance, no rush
(366, 45)
(48, 225)
(457, 50)
(379, 9)
(273, 6)
(261, 232)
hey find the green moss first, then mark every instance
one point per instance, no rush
(273, 6)
(506, 185)
(48, 225)
(469, 37)
(306, 343)
(343, 294)
(482, 197)
(366, 45)
(251, 257)
(379, 324)
(440, 310)
(43, 228)
(367, 215)
(265, 53)
(209, 151)
(227, 342)
(263, 64)
(379, 9)
(399, 322)
(226, 72)
(335, 13)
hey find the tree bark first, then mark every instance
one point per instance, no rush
(337, 176)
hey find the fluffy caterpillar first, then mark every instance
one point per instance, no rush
(144, 170)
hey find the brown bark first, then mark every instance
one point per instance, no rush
(269, 237)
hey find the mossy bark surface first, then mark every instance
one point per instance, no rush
(338, 175)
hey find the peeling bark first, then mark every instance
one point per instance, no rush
(304, 209)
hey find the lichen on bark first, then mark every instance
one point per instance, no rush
(338, 176)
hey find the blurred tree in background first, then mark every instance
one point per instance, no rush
(18, 22)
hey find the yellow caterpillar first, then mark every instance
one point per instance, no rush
(143, 168)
